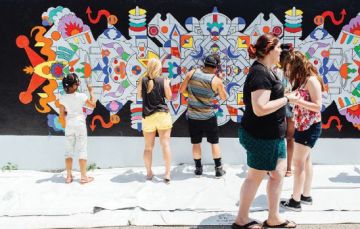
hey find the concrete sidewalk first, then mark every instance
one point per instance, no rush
(121, 197)
(310, 226)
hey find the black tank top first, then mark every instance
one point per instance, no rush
(155, 100)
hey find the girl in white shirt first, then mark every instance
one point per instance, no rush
(71, 113)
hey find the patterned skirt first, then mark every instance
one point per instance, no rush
(262, 154)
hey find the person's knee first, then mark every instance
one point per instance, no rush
(148, 149)
(83, 156)
(69, 156)
(290, 138)
(165, 142)
(299, 165)
(277, 174)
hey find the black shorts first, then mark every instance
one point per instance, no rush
(209, 127)
(310, 136)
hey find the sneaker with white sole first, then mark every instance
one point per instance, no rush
(198, 171)
(219, 172)
(291, 204)
(306, 200)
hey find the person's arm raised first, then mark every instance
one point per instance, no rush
(167, 88)
(184, 84)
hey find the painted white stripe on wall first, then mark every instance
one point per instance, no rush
(46, 152)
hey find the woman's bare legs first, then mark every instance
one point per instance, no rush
(247, 194)
(149, 138)
(164, 136)
(301, 153)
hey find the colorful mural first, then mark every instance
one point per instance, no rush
(112, 63)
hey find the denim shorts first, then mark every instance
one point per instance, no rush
(310, 136)
(289, 111)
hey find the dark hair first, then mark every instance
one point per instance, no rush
(301, 69)
(264, 44)
(212, 61)
(284, 55)
(69, 80)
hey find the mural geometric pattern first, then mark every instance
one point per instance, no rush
(112, 64)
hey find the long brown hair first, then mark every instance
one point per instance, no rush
(264, 44)
(301, 69)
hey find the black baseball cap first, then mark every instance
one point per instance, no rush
(212, 60)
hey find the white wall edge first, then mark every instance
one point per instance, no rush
(47, 152)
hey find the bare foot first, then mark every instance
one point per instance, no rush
(150, 176)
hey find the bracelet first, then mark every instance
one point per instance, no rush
(287, 99)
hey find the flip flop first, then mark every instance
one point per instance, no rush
(286, 224)
(86, 180)
(246, 226)
(288, 173)
(69, 179)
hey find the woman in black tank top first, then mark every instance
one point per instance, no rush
(154, 89)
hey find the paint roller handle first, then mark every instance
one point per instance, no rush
(91, 91)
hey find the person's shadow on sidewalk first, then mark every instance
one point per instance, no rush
(346, 178)
(219, 221)
(184, 172)
(130, 176)
(56, 178)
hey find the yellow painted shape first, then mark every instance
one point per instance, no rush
(290, 12)
(242, 41)
(43, 95)
(240, 97)
(140, 12)
(38, 69)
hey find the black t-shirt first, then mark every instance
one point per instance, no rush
(271, 126)
(155, 100)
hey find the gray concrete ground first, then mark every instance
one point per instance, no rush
(312, 226)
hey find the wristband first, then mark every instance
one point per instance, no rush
(287, 99)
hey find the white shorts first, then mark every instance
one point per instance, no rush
(76, 141)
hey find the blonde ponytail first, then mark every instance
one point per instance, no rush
(154, 69)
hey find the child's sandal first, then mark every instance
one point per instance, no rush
(69, 179)
(86, 180)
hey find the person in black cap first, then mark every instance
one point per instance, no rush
(203, 85)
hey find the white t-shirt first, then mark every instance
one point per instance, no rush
(74, 104)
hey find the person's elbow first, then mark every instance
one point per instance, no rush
(318, 107)
(223, 96)
(259, 111)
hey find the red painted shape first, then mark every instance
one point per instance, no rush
(103, 123)
(332, 17)
(330, 120)
(99, 15)
(25, 97)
